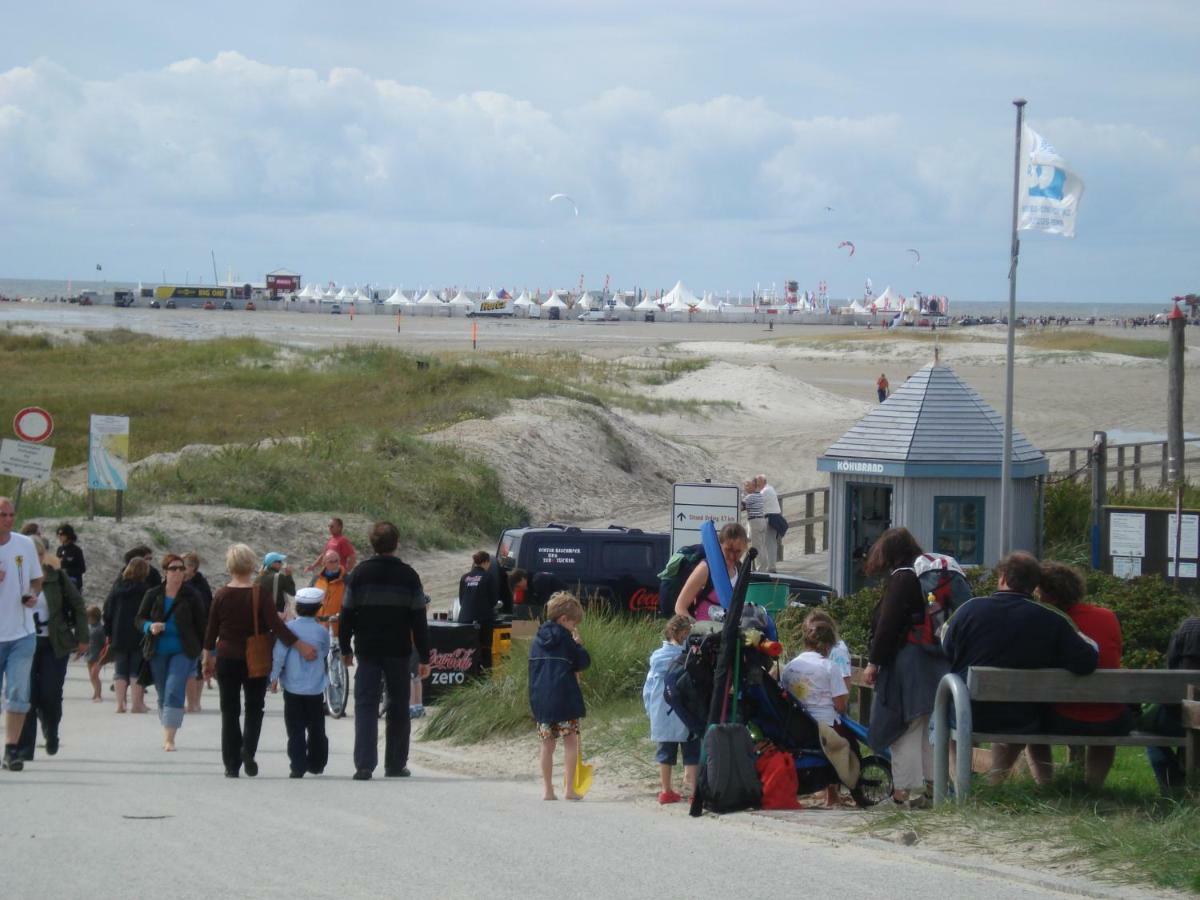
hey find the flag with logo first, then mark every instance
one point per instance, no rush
(1048, 191)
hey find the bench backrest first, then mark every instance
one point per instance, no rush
(1061, 686)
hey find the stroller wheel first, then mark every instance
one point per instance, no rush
(874, 782)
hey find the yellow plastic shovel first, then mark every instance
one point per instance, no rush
(583, 774)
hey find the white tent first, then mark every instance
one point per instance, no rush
(707, 304)
(329, 296)
(309, 292)
(343, 295)
(430, 305)
(554, 308)
(586, 302)
(491, 297)
(523, 306)
(854, 309)
(397, 298)
(887, 301)
(646, 304)
(679, 299)
(461, 305)
(360, 296)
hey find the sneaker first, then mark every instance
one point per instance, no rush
(402, 772)
(231, 773)
(295, 774)
(12, 760)
(51, 746)
(669, 797)
(416, 712)
(249, 764)
(362, 775)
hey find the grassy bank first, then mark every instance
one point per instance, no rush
(1076, 341)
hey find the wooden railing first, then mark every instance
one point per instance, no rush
(811, 518)
(1135, 459)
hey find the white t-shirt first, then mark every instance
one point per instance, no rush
(770, 501)
(819, 683)
(840, 657)
(41, 615)
(20, 564)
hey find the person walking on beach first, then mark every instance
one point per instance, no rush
(20, 583)
(198, 583)
(383, 622)
(276, 581)
(752, 503)
(125, 643)
(70, 556)
(776, 524)
(304, 684)
(882, 388)
(340, 545)
(477, 603)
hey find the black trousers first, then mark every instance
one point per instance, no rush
(232, 681)
(368, 688)
(46, 680)
(304, 717)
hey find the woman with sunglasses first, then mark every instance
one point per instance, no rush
(173, 615)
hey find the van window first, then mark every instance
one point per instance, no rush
(509, 550)
(560, 554)
(627, 556)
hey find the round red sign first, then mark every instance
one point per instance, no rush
(33, 424)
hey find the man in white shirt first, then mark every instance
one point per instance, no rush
(774, 516)
(20, 584)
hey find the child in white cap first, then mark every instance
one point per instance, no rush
(304, 685)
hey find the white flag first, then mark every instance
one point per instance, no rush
(1048, 191)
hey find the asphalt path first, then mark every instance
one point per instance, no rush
(112, 815)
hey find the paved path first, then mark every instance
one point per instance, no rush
(113, 816)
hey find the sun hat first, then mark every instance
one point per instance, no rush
(271, 558)
(310, 596)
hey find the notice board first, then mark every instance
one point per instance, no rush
(1140, 540)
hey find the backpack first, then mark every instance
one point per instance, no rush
(728, 780)
(945, 589)
(672, 578)
(688, 683)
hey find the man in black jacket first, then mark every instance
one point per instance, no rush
(1011, 630)
(383, 614)
(477, 598)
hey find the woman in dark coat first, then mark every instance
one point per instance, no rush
(70, 555)
(905, 673)
(125, 642)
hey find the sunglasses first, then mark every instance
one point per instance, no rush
(176, 568)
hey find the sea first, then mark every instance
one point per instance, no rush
(37, 287)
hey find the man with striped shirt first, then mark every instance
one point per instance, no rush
(752, 503)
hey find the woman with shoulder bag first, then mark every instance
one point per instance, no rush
(904, 673)
(171, 620)
(62, 626)
(242, 626)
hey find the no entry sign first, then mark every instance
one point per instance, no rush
(33, 424)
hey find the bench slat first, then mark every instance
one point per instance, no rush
(1136, 739)
(1060, 686)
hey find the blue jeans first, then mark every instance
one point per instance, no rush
(170, 681)
(16, 665)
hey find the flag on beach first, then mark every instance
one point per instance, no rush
(1048, 191)
(896, 320)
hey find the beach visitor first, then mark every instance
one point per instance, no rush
(20, 583)
(276, 580)
(125, 642)
(477, 603)
(383, 623)
(776, 524)
(95, 648)
(518, 586)
(31, 529)
(240, 610)
(556, 659)
(61, 622)
(1063, 587)
(70, 555)
(1011, 630)
(813, 679)
(331, 581)
(882, 388)
(304, 684)
(154, 578)
(666, 729)
(172, 614)
(904, 673)
(756, 519)
(839, 654)
(340, 545)
(698, 597)
(198, 583)
(1183, 652)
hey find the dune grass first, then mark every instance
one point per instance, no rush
(1078, 341)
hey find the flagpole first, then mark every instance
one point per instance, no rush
(1006, 461)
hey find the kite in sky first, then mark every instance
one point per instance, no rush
(847, 244)
(574, 205)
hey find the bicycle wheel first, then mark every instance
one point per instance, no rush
(874, 782)
(338, 691)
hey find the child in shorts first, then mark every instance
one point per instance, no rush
(556, 659)
(95, 648)
(815, 681)
(665, 727)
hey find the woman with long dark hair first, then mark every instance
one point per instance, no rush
(905, 673)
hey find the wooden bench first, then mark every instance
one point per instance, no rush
(1055, 686)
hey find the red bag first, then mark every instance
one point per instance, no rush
(777, 772)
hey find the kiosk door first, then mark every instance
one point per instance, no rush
(869, 514)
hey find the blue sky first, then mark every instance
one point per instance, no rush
(417, 144)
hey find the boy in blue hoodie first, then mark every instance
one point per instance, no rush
(666, 727)
(304, 686)
(556, 658)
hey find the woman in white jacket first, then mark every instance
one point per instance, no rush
(666, 727)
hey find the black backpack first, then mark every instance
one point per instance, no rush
(688, 684)
(729, 778)
(671, 579)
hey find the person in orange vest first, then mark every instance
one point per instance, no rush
(332, 580)
(881, 387)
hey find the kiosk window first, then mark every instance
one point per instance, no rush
(958, 528)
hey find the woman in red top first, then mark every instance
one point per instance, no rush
(1063, 587)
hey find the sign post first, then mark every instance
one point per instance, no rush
(694, 503)
(108, 459)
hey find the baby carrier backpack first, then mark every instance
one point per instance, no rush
(945, 588)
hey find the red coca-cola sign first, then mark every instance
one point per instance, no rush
(461, 659)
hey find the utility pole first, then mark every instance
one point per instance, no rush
(1175, 346)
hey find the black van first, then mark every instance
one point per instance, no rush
(614, 565)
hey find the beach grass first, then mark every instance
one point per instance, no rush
(1078, 341)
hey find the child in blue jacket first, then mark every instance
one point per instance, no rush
(555, 660)
(665, 726)
(304, 684)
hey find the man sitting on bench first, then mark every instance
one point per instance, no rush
(1011, 630)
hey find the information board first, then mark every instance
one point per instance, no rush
(1140, 541)
(695, 503)
(21, 459)
(108, 453)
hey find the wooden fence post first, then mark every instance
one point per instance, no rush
(1137, 466)
(1072, 459)
(810, 500)
(1120, 469)
(1166, 465)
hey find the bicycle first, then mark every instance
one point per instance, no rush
(337, 693)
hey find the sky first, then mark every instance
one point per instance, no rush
(417, 144)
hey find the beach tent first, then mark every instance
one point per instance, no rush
(397, 298)
(586, 302)
(430, 305)
(329, 296)
(554, 307)
(491, 297)
(854, 309)
(523, 306)
(887, 302)
(679, 299)
(461, 305)
(343, 295)
(360, 296)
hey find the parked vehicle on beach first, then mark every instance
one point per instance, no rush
(170, 304)
(208, 304)
(154, 304)
(250, 307)
(335, 310)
